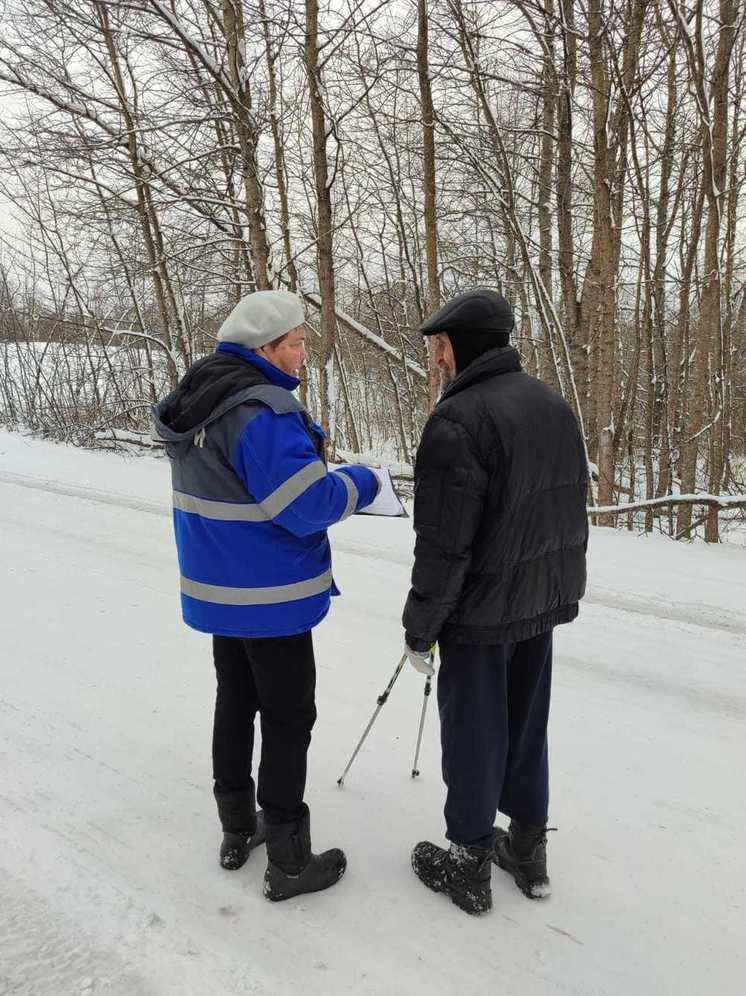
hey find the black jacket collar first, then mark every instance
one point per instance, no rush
(504, 359)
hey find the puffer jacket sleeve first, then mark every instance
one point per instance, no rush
(450, 489)
(280, 469)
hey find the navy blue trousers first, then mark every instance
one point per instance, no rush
(494, 708)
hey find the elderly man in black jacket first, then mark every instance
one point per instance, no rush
(501, 526)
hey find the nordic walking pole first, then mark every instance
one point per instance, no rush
(428, 689)
(381, 702)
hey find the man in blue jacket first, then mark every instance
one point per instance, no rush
(252, 500)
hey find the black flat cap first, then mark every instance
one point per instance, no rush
(478, 310)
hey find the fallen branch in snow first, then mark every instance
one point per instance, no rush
(116, 436)
(365, 333)
(719, 501)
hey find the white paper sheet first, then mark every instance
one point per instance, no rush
(386, 501)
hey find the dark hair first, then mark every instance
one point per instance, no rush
(283, 337)
(279, 339)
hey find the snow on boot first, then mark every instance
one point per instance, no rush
(292, 869)
(243, 826)
(522, 851)
(461, 872)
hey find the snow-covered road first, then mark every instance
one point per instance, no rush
(109, 881)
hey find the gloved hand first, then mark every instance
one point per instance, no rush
(421, 657)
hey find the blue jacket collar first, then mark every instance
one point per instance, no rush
(273, 374)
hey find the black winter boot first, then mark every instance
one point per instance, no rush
(243, 826)
(522, 851)
(292, 869)
(461, 872)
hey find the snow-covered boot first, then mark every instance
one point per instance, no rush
(522, 851)
(461, 872)
(292, 868)
(243, 827)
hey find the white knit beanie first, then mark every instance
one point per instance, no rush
(262, 317)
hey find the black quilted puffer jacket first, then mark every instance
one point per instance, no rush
(499, 510)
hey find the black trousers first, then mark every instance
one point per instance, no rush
(276, 677)
(494, 708)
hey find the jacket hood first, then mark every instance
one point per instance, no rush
(209, 389)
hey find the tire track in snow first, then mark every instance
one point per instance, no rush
(88, 494)
(43, 954)
(702, 616)
(691, 614)
(696, 697)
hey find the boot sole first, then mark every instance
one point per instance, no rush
(442, 889)
(472, 912)
(275, 898)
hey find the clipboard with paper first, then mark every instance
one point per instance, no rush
(387, 501)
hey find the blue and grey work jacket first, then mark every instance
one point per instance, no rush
(252, 500)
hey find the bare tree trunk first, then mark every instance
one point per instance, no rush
(661, 422)
(549, 105)
(566, 255)
(712, 293)
(679, 339)
(730, 323)
(598, 302)
(324, 222)
(280, 170)
(431, 213)
(235, 40)
(714, 133)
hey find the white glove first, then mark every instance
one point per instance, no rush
(421, 660)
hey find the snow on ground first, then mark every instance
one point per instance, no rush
(109, 881)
